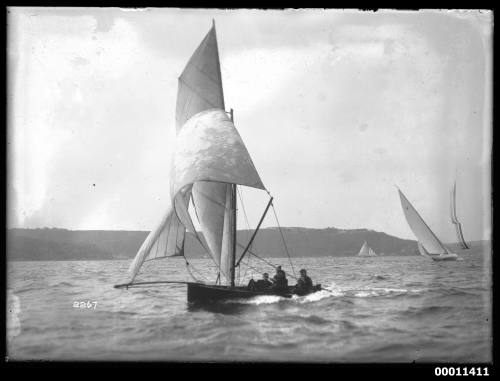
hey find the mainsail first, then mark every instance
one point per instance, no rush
(454, 219)
(418, 226)
(209, 158)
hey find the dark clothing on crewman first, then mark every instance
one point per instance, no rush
(251, 285)
(304, 284)
(280, 281)
(262, 284)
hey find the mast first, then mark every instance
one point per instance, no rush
(233, 207)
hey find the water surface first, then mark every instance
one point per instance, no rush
(384, 309)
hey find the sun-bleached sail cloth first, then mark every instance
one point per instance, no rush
(424, 234)
(454, 219)
(210, 156)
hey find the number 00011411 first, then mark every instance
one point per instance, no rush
(461, 371)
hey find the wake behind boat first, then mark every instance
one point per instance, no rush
(209, 163)
(429, 244)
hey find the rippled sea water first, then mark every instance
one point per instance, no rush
(384, 309)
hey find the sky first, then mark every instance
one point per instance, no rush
(335, 108)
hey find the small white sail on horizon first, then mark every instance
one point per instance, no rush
(363, 252)
(454, 218)
(428, 242)
(366, 251)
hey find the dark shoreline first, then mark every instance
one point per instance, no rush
(80, 245)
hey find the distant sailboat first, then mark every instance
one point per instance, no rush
(366, 251)
(429, 244)
(454, 219)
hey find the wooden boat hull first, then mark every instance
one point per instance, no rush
(198, 292)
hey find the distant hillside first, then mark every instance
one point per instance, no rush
(62, 244)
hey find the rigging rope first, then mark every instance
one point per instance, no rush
(254, 268)
(244, 210)
(267, 262)
(240, 194)
(284, 243)
(246, 270)
(188, 265)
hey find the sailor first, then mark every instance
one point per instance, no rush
(304, 283)
(279, 279)
(251, 285)
(263, 283)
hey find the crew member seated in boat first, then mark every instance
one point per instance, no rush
(261, 284)
(304, 283)
(279, 280)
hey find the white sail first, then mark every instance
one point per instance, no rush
(200, 84)
(209, 157)
(418, 226)
(226, 253)
(421, 250)
(363, 252)
(366, 251)
(166, 240)
(454, 219)
(199, 89)
(209, 150)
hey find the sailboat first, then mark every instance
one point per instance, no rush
(429, 244)
(454, 219)
(366, 251)
(209, 163)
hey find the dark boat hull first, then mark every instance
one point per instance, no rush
(197, 292)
